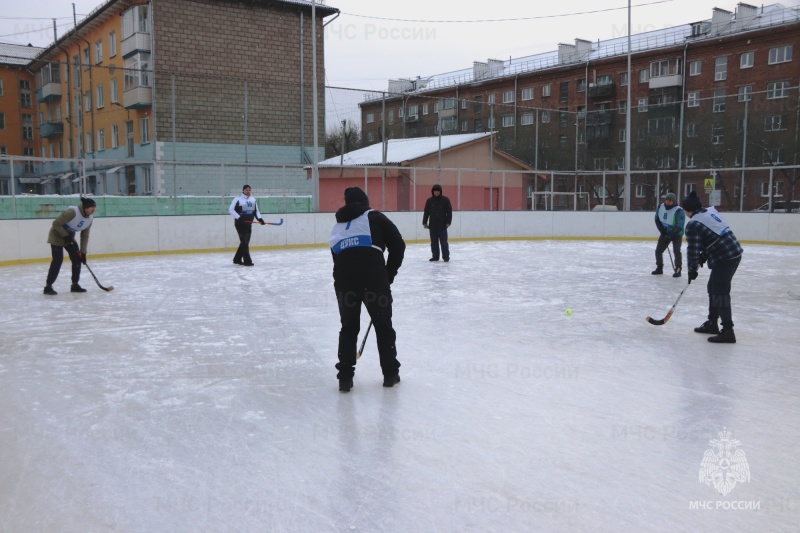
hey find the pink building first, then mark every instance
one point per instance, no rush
(473, 174)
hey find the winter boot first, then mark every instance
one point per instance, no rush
(391, 381)
(49, 290)
(433, 259)
(677, 273)
(724, 336)
(708, 327)
(345, 384)
(658, 271)
(76, 288)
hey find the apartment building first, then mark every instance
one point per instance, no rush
(18, 133)
(718, 93)
(203, 81)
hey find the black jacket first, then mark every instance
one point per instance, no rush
(366, 265)
(438, 212)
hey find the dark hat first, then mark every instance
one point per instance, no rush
(246, 187)
(670, 196)
(436, 187)
(88, 202)
(692, 203)
(354, 195)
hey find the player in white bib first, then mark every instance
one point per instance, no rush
(62, 237)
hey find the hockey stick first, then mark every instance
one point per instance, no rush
(672, 309)
(107, 289)
(361, 350)
(670, 257)
(265, 223)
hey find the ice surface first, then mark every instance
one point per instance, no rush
(201, 396)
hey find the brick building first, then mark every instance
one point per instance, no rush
(18, 134)
(177, 80)
(715, 94)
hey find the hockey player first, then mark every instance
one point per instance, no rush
(244, 209)
(669, 221)
(62, 236)
(360, 275)
(709, 238)
(436, 218)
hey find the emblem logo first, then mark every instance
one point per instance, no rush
(724, 465)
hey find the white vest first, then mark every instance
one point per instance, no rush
(80, 222)
(713, 221)
(352, 234)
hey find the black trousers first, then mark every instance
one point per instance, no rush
(661, 247)
(243, 252)
(379, 306)
(439, 236)
(719, 291)
(58, 259)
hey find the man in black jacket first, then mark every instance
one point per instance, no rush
(360, 275)
(437, 217)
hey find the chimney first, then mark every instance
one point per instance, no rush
(496, 67)
(480, 70)
(582, 48)
(745, 15)
(720, 21)
(566, 53)
(400, 86)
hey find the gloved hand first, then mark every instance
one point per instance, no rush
(391, 278)
(692, 276)
(69, 240)
(425, 226)
(261, 221)
(447, 226)
(702, 261)
(83, 257)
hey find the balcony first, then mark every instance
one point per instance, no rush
(138, 42)
(410, 118)
(607, 90)
(136, 97)
(664, 110)
(51, 129)
(599, 118)
(48, 92)
(659, 82)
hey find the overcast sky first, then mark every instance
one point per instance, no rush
(371, 42)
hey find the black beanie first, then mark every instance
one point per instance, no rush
(246, 187)
(692, 203)
(88, 202)
(436, 187)
(354, 195)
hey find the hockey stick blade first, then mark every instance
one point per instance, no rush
(280, 223)
(664, 320)
(364, 342)
(107, 289)
(276, 223)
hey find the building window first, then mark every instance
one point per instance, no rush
(642, 107)
(2, 121)
(101, 139)
(98, 52)
(581, 86)
(745, 93)
(144, 130)
(526, 119)
(717, 133)
(27, 127)
(545, 90)
(463, 103)
(664, 67)
(464, 125)
(370, 118)
(89, 142)
(114, 136)
(478, 125)
(694, 68)
(490, 99)
(508, 97)
(775, 157)
(644, 75)
(691, 129)
(623, 78)
(719, 101)
(691, 161)
(777, 89)
(370, 136)
(545, 117)
(86, 60)
(100, 97)
(693, 99)
(391, 116)
(490, 123)
(721, 68)
(400, 113)
(622, 135)
(112, 44)
(623, 107)
(562, 139)
(1, 87)
(563, 92)
(661, 126)
(688, 188)
(137, 73)
(113, 91)
(134, 21)
(413, 111)
(448, 103)
(774, 123)
(746, 60)
(562, 117)
(424, 109)
(87, 101)
(508, 121)
(527, 93)
(780, 54)
(448, 123)
(129, 138)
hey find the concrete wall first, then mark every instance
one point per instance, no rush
(26, 240)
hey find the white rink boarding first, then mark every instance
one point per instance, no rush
(25, 240)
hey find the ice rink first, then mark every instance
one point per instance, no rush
(201, 396)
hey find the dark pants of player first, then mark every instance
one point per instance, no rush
(243, 253)
(719, 291)
(379, 307)
(661, 247)
(58, 258)
(439, 236)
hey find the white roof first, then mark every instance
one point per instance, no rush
(17, 54)
(399, 150)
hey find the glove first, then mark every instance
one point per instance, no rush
(391, 278)
(69, 240)
(83, 258)
(702, 261)
(261, 221)
(425, 226)
(447, 226)
(692, 276)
